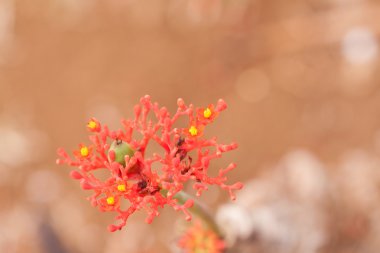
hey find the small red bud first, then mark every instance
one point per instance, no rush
(113, 228)
(85, 185)
(181, 103)
(75, 174)
(221, 105)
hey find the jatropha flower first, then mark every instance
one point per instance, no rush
(200, 239)
(150, 181)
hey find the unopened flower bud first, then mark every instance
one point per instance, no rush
(121, 149)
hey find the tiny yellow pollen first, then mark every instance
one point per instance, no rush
(110, 200)
(193, 131)
(92, 124)
(207, 113)
(121, 187)
(84, 151)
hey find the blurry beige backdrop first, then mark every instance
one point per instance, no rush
(295, 74)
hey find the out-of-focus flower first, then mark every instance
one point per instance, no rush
(198, 239)
(283, 211)
(132, 174)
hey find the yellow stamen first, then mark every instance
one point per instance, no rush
(92, 124)
(121, 187)
(110, 201)
(84, 151)
(193, 131)
(207, 113)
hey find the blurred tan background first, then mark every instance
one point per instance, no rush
(297, 75)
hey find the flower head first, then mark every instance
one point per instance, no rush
(93, 125)
(193, 131)
(150, 181)
(83, 152)
(207, 113)
(198, 239)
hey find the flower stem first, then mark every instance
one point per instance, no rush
(197, 209)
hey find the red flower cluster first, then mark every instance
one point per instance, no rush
(197, 238)
(149, 181)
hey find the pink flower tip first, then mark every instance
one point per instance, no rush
(180, 103)
(75, 174)
(189, 203)
(237, 186)
(221, 105)
(59, 161)
(85, 185)
(150, 218)
(113, 228)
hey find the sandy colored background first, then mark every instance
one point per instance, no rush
(296, 74)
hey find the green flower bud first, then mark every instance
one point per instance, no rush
(121, 149)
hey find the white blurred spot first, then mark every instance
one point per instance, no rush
(359, 46)
(14, 147)
(253, 85)
(273, 222)
(305, 175)
(43, 186)
(281, 212)
(235, 221)
(20, 147)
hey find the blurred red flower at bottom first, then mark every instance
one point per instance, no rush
(199, 239)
